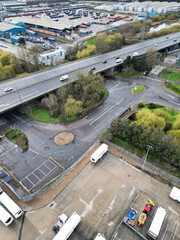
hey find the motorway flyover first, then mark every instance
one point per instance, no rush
(37, 84)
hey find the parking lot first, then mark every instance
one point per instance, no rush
(102, 193)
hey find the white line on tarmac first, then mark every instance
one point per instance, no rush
(166, 228)
(173, 211)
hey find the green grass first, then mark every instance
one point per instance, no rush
(173, 87)
(129, 75)
(105, 92)
(173, 76)
(42, 115)
(138, 89)
(91, 41)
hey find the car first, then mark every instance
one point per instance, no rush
(155, 44)
(135, 54)
(117, 57)
(167, 37)
(105, 62)
(8, 89)
(175, 40)
(93, 68)
(118, 61)
(62, 78)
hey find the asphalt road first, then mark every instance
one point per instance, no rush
(45, 160)
(37, 84)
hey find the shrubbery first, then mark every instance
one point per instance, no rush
(18, 137)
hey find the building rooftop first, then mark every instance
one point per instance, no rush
(5, 27)
(46, 22)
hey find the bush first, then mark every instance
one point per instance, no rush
(140, 105)
(154, 105)
(17, 137)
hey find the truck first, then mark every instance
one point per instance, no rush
(68, 227)
(5, 217)
(99, 153)
(11, 206)
(175, 194)
(157, 223)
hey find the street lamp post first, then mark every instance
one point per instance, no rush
(146, 156)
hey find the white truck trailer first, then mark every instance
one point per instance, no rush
(5, 217)
(11, 206)
(175, 194)
(68, 227)
(157, 223)
(99, 153)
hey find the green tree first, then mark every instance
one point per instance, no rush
(176, 124)
(5, 59)
(162, 113)
(151, 58)
(102, 43)
(149, 120)
(72, 107)
(118, 40)
(7, 72)
(51, 103)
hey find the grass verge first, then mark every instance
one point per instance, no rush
(173, 76)
(91, 41)
(173, 87)
(105, 92)
(137, 89)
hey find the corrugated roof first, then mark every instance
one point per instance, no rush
(5, 27)
(46, 22)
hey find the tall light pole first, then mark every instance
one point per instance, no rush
(146, 156)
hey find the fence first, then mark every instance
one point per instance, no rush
(140, 160)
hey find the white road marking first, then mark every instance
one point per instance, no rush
(110, 207)
(89, 206)
(166, 228)
(173, 211)
(132, 191)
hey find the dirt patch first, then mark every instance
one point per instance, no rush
(64, 138)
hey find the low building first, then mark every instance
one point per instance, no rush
(52, 58)
(8, 30)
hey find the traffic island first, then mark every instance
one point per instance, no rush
(137, 89)
(64, 138)
(17, 137)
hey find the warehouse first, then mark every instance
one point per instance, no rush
(7, 30)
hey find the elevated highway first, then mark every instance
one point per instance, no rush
(37, 84)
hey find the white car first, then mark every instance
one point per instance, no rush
(118, 61)
(9, 89)
(64, 77)
(135, 54)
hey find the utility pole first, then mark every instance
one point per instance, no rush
(146, 156)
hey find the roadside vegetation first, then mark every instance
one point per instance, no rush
(17, 137)
(151, 125)
(173, 87)
(137, 89)
(70, 101)
(172, 76)
(164, 31)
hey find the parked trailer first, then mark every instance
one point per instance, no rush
(68, 227)
(5, 217)
(11, 206)
(157, 222)
(175, 194)
(100, 236)
(99, 153)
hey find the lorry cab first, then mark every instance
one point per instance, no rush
(100, 236)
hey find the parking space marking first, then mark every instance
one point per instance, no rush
(57, 163)
(34, 178)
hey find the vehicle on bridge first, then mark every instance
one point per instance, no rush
(64, 77)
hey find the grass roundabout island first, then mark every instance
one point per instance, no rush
(64, 138)
(137, 89)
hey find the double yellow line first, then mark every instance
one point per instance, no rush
(57, 163)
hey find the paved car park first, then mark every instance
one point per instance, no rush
(102, 193)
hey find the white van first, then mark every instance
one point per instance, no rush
(175, 194)
(11, 206)
(99, 153)
(118, 61)
(64, 77)
(100, 236)
(5, 217)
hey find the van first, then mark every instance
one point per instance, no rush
(118, 61)
(175, 194)
(99, 153)
(64, 77)
(5, 217)
(11, 206)
(100, 236)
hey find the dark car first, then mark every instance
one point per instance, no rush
(105, 61)
(92, 69)
(117, 57)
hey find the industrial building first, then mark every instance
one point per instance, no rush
(148, 6)
(8, 30)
